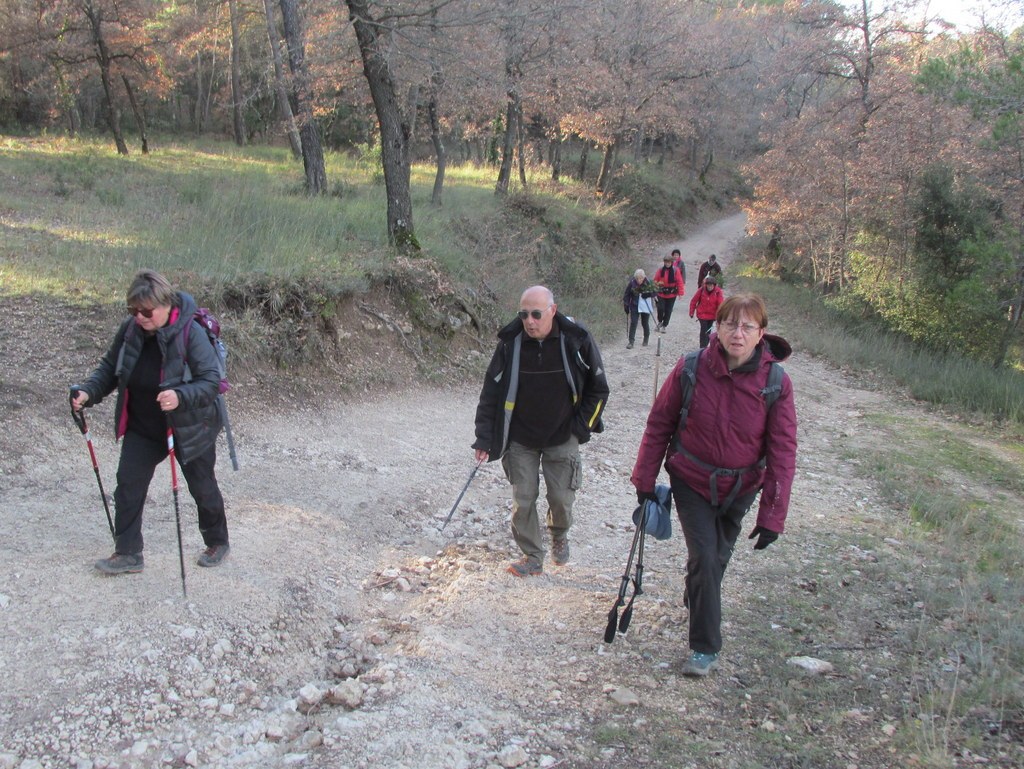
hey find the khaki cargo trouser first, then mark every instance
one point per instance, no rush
(562, 476)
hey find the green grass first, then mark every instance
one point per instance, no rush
(78, 219)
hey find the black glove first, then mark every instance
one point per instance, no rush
(764, 537)
(643, 496)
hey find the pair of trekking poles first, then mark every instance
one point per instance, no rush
(79, 417)
(636, 551)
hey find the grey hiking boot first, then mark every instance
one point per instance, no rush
(526, 568)
(560, 551)
(212, 556)
(121, 563)
(700, 664)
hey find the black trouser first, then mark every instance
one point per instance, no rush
(705, 332)
(665, 305)
(644, 321)
(710, 537)
(139, 457)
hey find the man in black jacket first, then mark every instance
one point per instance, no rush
(542, 396)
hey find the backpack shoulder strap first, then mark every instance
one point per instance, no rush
(773, 388)
(687, 381)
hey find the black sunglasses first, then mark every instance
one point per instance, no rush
(535, 314)
(145, 313)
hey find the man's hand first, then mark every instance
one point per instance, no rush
(764, 537)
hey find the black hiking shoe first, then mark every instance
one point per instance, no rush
(121, 563)
(560, 551)
(212, 556)
(526, 568)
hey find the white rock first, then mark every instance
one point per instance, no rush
(309, 697)
(623, 696)
(811, 665)
(5, 601)
(309, 740)
(8, 760)
(192, 758)
(139, 748)
(348, 694)
(512, 756)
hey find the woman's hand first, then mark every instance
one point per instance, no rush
(168, 400)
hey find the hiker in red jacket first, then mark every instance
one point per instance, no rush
(735, 442)
(706, 301)
(669, 282)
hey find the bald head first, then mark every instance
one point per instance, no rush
(537, 300)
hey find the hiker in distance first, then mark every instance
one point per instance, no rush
(638, 304)
(542, 396)
(668, 279)
(705, 303)
(736, 437)
(710, 267)
(160, 385)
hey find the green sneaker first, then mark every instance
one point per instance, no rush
(700, 664)
(121, 563)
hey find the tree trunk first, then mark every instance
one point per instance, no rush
(606, 168)
(412, 100)
(237, 116)
(312, 150)
(435, 137)
(581, 172)
(284, 106)
(102, 56)
(140, 116)
(555, 154)
(521, 135)
(394, 130)
(508, 145)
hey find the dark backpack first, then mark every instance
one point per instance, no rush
(209, 323)
(211, 326)
(688, 381)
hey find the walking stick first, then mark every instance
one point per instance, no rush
(657, 363)
(79, 418)
(177, 513)
(462, 493)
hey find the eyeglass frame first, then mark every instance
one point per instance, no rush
(744, 328)
(145, 312)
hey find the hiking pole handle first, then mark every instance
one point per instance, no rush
(462, 493)
(77, 414)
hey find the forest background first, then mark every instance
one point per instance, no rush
(876, 148)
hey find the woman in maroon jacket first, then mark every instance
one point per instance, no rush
(732, 446)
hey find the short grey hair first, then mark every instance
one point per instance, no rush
(152, 288)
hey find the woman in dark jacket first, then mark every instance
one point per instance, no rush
(733, 445)
(167, 377)
(638, 303)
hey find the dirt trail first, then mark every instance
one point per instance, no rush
(339, 581)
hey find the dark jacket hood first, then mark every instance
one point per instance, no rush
(778, 347)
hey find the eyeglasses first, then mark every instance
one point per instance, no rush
(143, 311)
(535, 314)
(744, 328)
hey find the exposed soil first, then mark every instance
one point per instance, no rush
(346, 630)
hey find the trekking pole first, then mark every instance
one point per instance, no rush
(462, 493)
(657, 363)
(79, 418)
(613, 615)
(638, 581)
(177, 513)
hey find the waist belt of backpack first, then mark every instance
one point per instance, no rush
(728, 472)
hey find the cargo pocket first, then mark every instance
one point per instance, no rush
(575, 473)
